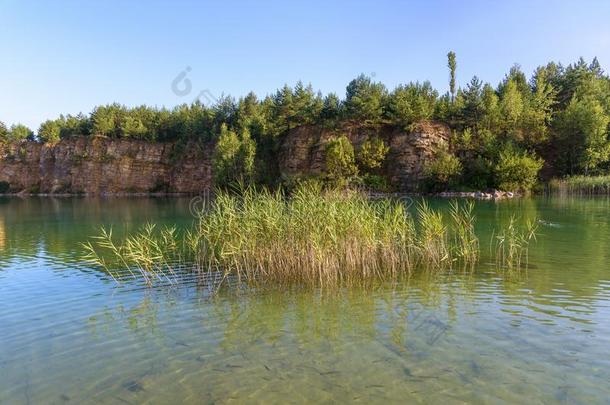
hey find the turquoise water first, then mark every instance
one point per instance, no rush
(69, 334)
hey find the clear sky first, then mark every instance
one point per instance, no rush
(68, 56)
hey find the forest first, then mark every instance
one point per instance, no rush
(509, 136)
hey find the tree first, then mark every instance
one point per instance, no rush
(50, 131)
(364, 99)
(331, 109)
(340, 163)
(473, 103)
(233, 159)
(307, 104)
(452, 65)
(371, 154)
(3, 132)
(511, 107)
(516, 170)
(411, 103)
(443, 171)
(583, 135)
(20, 132)
(490, 109)
(538, 113)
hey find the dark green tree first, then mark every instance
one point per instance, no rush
(452, 65)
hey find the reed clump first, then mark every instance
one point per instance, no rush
(151, 253)
(512, 245)
(581, 185)
(314, 236)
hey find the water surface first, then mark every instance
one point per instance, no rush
(69, 334)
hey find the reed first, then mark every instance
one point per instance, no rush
(581, 185)
(465, 240)
(314, 236)
(512, 245)
(150, 253)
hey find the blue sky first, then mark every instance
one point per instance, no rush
(68, 56)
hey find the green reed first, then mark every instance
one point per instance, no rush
(314, 236)
(151, 253)
(511, 245)
(581, 185)
(465, 241)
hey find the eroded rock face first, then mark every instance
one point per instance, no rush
(98, 165)
(302, 149)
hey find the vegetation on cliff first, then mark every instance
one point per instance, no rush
(501, 135)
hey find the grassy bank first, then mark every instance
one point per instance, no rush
(581, 185)
(314, 237)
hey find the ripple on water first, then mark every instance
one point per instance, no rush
(69, 333)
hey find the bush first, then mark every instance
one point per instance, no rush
(340, 162)
(516, 170)
(443, 171)
(4, 187)
(372, 154)
(233, 160)
(375, 182)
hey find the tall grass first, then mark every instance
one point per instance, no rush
(465, 241)
(151, 253)
(512, 245)
(581, 185)
(314, 236)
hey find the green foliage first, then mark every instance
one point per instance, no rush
(233, 160)
(49, 131)
(583, 134)
(411, 103)
(562, 114)
(516, 170)
(452, 65)
(4, 187)
(263, 236)
(512, 245)
(4, 135)
(364, 99)
(375, 182)
(331, 109)
(443, 171)
(371, 154)
(583, 185)
(340, 161)
(20, 132)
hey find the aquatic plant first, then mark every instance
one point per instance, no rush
(151, 253)
(432, 238)
(512, 245)
(581, 185)
(314, 236)
(465, 241)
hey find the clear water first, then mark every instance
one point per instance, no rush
(68, 334)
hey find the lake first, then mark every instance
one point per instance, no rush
(70, 334)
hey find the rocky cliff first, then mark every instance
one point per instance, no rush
(98, 165)
(302, 149)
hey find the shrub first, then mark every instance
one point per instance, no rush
(20, 132)
(443, 171)
(375, 182)
(4, 187)
(233, 160)
(371, 154)
(516, 170)
(340, 162)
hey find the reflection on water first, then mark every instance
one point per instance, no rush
(70, 335)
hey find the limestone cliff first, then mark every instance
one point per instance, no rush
(302, 149)
(98, 165)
